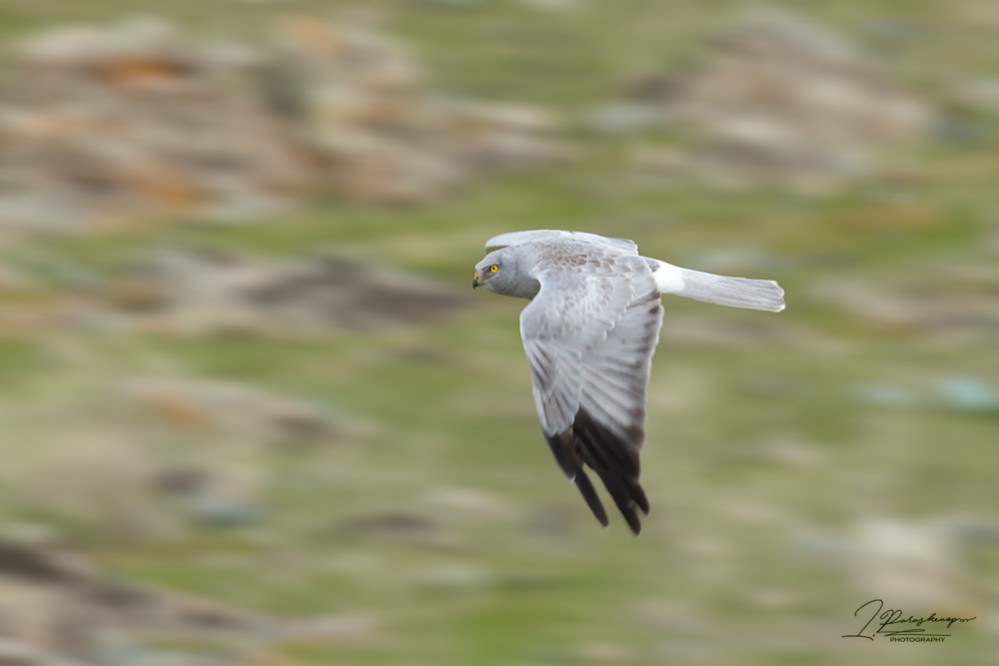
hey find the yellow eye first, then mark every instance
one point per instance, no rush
(493, 268)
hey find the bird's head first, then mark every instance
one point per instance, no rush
(499, 271)
(491, 272)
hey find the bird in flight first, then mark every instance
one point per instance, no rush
(589, 333)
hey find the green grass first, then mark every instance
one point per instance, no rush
(21, 360)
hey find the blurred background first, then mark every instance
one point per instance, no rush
(250, 412)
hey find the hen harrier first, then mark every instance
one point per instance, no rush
(589, 332)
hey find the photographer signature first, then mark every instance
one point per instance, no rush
(893, 624)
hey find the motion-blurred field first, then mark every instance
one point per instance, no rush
(383, 495)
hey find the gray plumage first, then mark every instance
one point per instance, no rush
(589, 333)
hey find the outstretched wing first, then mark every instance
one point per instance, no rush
(536, 235)
(589, 336)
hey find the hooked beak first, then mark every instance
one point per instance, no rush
(475, 280)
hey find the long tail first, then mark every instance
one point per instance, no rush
(734, 292)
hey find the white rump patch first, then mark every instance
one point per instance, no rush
(736, 292)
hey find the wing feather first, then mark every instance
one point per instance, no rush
(589, 336)
(535, 235)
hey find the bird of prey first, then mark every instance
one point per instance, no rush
(589, 333)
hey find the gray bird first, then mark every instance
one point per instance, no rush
(589, 333)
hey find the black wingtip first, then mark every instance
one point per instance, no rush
(615, 460)
(628, 495)
(614, 457)
(589, 494)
